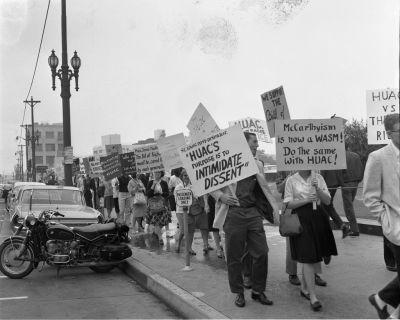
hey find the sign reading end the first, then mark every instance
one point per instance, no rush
(184, 197)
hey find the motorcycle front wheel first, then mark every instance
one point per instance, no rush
(9, 265)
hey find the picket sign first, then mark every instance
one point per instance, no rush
(201, 124)
(184, 197)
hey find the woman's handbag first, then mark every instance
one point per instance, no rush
(139, 198)
(156, 204)
(289, 224)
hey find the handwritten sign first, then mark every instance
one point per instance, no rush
(218, 161)
(310, 144)
(128, 163)
(259, 127)
(201, 124)
(111, 166)
(184, 197)
(148, 159)
(96, 169)
(168, 148)
(86, 165)
(275, 108)
(379, 104)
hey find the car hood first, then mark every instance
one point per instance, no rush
(70, 211)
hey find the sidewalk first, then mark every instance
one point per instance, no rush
(352, 276)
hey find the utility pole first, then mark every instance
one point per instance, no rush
(21, 156)
(26, 149)
(32, 103)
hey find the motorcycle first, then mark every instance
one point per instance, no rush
(98, 246)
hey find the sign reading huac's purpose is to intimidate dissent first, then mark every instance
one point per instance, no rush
(310, 144)
(218, 160)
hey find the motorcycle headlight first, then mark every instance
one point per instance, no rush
(30, 221)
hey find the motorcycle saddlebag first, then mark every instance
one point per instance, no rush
(115, 252)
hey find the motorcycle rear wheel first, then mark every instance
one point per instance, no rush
(102, 269)
(15, 269)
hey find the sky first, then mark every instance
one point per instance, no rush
(147, 64)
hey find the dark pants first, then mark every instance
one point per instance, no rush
(116, 205)
(348, 195)
(391, 293)
(88, 198)
(330, 210)
(388, 254)
(242, 233)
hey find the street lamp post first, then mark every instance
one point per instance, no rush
(65, 75)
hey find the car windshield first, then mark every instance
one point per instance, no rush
(51, 196)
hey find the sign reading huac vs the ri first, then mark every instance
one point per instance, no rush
(256, 126)
(380, 103)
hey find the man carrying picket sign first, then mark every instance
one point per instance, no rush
(244, 204)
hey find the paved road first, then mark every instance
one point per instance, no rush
(77, 293)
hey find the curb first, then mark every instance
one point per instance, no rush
(183, 302)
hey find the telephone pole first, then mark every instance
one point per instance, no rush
(26, 149)
(21, 156)
(32, 103)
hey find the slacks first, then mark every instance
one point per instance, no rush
(348, 195)
(331, 211)
(391, 292)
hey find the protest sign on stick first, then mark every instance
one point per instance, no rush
(310, 144)
(111, 166)
(86, 165)
(168, 148)
(148, 159)
(201, 124)
(379, 104)
(218, 160)
(253, 125)
(275, 108)
(96, 169)
(128, 164)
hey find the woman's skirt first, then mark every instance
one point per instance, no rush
(317, 240)
(158, 219)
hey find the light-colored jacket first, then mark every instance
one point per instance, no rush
(221, 209)
(382, 191)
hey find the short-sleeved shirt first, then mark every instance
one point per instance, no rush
(298, 189)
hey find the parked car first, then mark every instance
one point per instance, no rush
(12, 195)
(69, 201)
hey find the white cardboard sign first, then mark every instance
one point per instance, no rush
(148, 159)
(310, 144)
(201, 124)
(168, 148)
(253, 125)
(275, 108)
(379, 104)
(184, 197)
(218, 161)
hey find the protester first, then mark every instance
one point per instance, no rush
(124, 198)
(352, 176)
(215, 231)
(158, 215)
(51, 181)
(197, 216)
(382, 198)
(114, 183)
(316, 240)
(100, 194)
(238, 211)
(86, 191)
(139, 202)
(291, 265)
(173, 182)
(108, 197)
(333, 180)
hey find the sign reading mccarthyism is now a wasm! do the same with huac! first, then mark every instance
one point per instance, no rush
(310, 144)
(218, 160)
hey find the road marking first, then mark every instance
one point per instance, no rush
(14, 298)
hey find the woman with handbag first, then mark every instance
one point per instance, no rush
(157, 211)
(316, 239)
(139, 201)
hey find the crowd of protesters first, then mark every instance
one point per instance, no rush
(238, 211)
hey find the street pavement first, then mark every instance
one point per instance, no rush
(78, 293)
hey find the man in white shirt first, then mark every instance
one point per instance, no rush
(382, 198)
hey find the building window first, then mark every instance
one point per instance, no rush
(39, 147)
(50, 160)
(39, 159)
(49, 134)
(60, 147)
(60, 136)
(50, 147)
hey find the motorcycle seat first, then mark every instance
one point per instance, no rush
(94, 230)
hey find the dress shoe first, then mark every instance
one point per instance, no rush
(382, 313)
(316, 306)
(305, 295)
(239, 301)
(354, 234)
(319, 281)
(327, 260)
(294, 279)
(390, 268)
(247, 283)
(262, 298)
(345, 231)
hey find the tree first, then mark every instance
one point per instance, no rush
(266, 158)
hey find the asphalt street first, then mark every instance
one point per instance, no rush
(78, 293)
